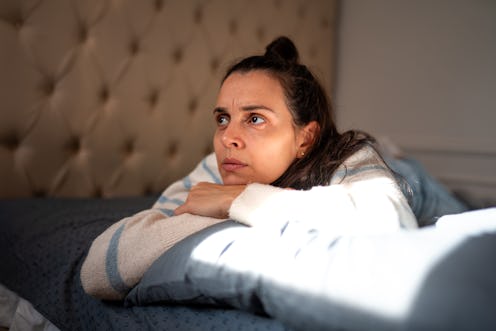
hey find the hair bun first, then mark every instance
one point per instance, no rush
(282, 49)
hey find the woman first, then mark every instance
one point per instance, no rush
(274, 127)
(279, 157)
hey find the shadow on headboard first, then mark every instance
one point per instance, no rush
(113, 98)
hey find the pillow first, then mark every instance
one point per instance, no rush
(438, 277)
(165, 281)
(427, 197)
(168, 280)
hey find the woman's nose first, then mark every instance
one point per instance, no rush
(232, 136)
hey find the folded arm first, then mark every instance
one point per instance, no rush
(118, 258)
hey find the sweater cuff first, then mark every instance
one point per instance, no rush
(258, 204)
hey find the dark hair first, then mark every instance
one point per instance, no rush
(307, 102)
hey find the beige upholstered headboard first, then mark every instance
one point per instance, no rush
(113, 97)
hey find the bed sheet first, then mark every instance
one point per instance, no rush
(17, 314)
(43, 243)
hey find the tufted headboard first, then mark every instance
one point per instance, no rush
(113, 97)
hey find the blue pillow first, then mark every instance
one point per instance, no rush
(166, 282)
(428, 198)
(438, 277)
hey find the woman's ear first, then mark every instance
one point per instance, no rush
(306, 138)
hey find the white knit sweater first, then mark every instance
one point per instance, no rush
(362, 198)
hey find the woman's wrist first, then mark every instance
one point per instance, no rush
(232, 192)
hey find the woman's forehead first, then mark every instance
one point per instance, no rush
(250, 87)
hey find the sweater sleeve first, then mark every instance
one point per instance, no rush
(176, 194)
(363, 198)
(118, 258)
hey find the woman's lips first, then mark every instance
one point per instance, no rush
(232, 164)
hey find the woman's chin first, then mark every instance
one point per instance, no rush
(232, 178)
(235, 181)
(241, 181)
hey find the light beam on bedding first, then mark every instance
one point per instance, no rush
(306, 276)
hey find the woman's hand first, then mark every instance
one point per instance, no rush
(212, 200)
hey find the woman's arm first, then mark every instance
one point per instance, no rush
(177, 193)
(208, 199)
(363, 198)
(372, 206)
(118, 257)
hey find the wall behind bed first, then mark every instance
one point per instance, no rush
(423, 73)
(114, 97)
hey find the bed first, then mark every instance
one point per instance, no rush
(105, 103)
(55, 233)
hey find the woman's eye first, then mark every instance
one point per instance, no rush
(255, 119)
(222, 120)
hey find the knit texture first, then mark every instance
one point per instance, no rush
(362, 198)
(119, 257)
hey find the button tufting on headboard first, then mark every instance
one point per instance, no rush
(10, 141)
(97, 192)
(134, 47)
(47, 86)
(172, 150)
(177, 55)
(110, 98)
(153, 98)
(73, 145)
(159, 4)
(192, 105)
(198, 15)
(128, 147)
(302, 11)
(104, 94)
(214, 64)
(260, 32)
(18, 23)
(82, 33)
(233, 27)
(40, 193)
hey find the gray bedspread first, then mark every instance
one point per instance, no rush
(42, 246)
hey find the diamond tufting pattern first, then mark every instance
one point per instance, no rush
(113, 97)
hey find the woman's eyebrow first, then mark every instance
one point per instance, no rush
(243, 108)
(219, 110)
(255, 107)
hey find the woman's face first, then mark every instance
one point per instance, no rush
(256, 139)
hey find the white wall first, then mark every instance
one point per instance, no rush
(423, 73)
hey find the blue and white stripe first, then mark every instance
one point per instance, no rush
(112, 263)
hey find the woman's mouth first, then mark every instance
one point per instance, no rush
(230, 164)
